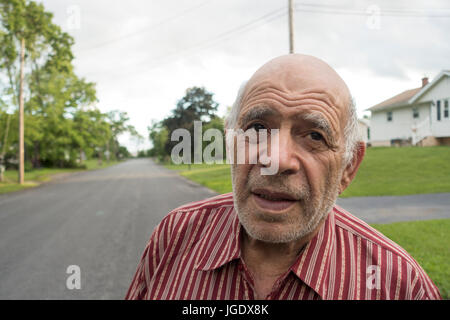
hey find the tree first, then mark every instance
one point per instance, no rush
(215, 123)
(159, 135)
(196, 105)
(61, 123)
(24, 24)
(118, 121)
(92, 131)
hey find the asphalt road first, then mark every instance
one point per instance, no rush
(389, 209)
(99, 220)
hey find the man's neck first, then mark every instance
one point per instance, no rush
(270, 258)
(268, 261)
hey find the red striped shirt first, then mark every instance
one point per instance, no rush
(194, 253)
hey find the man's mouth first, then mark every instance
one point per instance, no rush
(273, 201)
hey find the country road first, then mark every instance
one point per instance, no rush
(101, 221)
(98, 220)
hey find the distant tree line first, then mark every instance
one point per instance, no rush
(62, 125)
(196, 105)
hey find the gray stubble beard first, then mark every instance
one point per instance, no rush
(314, 210)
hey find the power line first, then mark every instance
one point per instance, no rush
(168, 58)
(146, 29)
(163, 60)
(337, 10)
(328, 6)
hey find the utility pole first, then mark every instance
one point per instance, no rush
(291, 26)
(21, 116)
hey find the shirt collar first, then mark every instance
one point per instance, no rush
(311, 267)
(214, 254)
(313, 263)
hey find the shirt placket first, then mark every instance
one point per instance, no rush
(248, 282)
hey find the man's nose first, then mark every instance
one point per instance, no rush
(288, 159)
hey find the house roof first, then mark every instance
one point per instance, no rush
(418, 95)
(409, 96)
(396, 101)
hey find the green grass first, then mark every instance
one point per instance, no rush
(428, 243)
(35, 177)
(402, 171)
(216, 177)
(384, 171)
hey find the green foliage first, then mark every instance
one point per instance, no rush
(62, 126)
(159, 136)
(215, 123)
(196, 105)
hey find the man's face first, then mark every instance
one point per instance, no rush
(310, 113)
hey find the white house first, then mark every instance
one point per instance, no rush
(418, 116)
(364, 130)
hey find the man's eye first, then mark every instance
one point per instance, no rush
(316, 136)
(257, 127)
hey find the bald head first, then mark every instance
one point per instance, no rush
(297, 73)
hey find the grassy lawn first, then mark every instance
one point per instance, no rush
(428, 243)
(384, 171)
(35, 177)
(402, 171)
(216, 177)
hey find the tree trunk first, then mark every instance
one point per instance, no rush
(81, 156)
(99, 158)
(21, 116)
(5, 141)
(36, 160)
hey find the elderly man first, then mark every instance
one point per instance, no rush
(281, 236)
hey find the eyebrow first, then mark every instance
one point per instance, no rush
(318, 121)
(256, 113)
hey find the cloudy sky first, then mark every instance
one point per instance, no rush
(144, 54)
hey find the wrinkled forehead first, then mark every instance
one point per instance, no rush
(299, 74)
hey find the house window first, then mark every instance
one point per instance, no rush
(446, 109)
(415, 112)
(389, 116)
(438, 110)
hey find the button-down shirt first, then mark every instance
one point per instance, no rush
(195, 253)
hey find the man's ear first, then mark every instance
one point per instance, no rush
(352, 168)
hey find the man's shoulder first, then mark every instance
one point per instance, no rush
(194, 212)
(382, 252)
(222, 200)
(356, 228)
